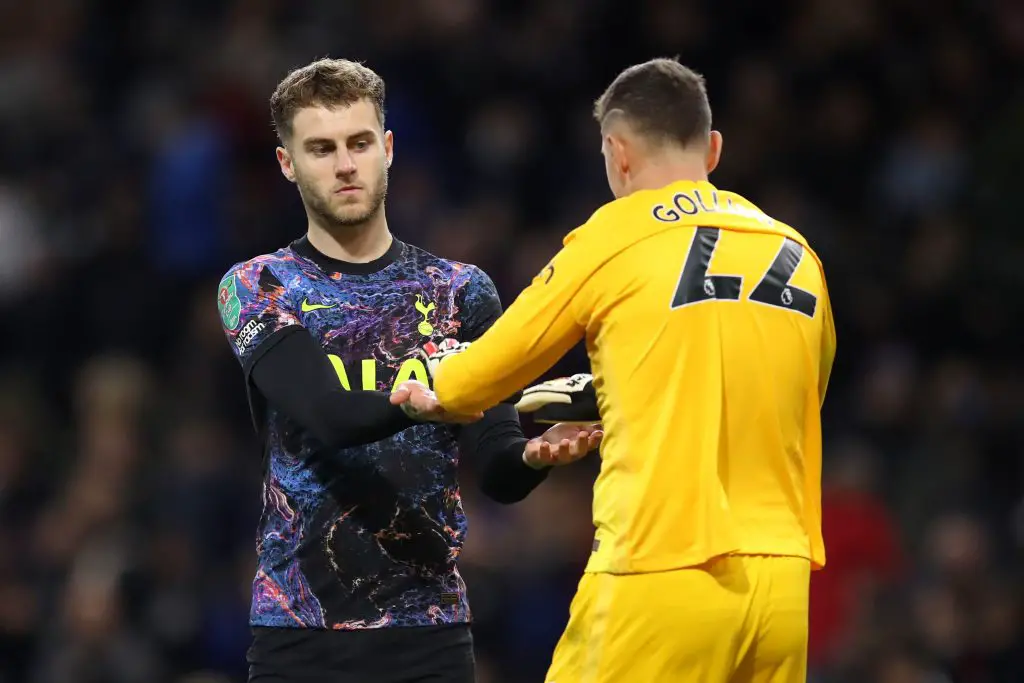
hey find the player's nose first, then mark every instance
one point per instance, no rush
(345, 165)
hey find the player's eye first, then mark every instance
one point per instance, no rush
(321, 150)
(361, 145)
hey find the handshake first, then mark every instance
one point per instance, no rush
(570, 400)
(568, 403)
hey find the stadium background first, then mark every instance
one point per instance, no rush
(136, 164)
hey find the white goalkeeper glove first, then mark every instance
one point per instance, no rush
(567, 399)
(435, 353)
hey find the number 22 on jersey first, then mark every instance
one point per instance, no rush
(696, 285)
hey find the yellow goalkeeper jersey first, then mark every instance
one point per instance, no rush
(711, 339)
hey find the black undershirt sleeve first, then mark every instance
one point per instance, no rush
(297, 378)
(497, 443)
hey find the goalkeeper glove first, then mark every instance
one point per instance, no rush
(566, 399)
(435, 353)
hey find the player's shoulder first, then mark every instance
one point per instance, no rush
(780, 227)
(604, 215)
(456, 270)
(259, 272)
(281, 258)
(775, 226)
(604, 226)
(741, 206)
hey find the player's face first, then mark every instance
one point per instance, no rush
(339, 159)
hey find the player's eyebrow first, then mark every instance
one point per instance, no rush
(366, 133)
(310, 143)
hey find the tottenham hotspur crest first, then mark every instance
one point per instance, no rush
(424, 328)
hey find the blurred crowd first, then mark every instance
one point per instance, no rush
(136, 164)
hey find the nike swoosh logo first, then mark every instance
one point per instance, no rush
(307, 307)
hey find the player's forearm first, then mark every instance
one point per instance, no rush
(497, 443)
(342, 419)
(297, 378)
(506, 478)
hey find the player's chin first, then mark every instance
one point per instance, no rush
(352, 214)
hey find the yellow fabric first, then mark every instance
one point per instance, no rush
(711, 410)
(697, 624)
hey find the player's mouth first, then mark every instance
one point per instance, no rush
(348, 189)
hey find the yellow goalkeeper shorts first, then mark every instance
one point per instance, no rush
(737, 619)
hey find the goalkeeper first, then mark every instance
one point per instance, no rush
(711, 338)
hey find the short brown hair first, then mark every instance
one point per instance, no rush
(326, 83)
(661, 99)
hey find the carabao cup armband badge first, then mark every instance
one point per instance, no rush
(228, 303)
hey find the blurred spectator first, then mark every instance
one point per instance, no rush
(863, 553)
(24, 248)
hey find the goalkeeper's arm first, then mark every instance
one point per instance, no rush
(544, 322)
(566, 399)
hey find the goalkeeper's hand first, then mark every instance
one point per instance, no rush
(567, 399)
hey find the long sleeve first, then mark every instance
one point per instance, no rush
(497, 443)
(288, 367)
(296, 377)
(534, 332)
(828, 348)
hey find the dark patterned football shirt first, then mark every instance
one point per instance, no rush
(367, 536)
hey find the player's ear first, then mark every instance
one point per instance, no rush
(389, 147)
(714, 151)
(284, 159)
(618, 147)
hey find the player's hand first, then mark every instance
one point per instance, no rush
(419, 403)
(433, 353)
(562, 444)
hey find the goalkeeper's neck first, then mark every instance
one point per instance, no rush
(661, 170)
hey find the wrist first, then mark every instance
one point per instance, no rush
(412, 413)
(532, 465)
